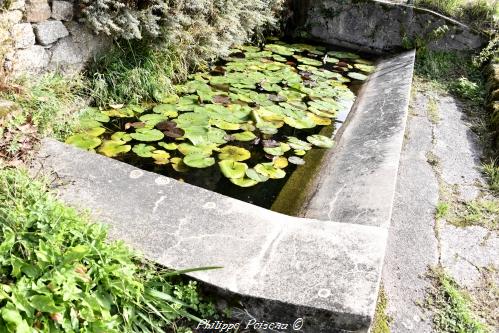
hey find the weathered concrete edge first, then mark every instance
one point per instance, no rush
(283, 267)
(357, 180)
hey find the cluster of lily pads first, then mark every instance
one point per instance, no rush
(253, 115)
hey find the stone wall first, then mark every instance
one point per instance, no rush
(39, 36)
(378, 26)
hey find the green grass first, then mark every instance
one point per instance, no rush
(441, 210)
(381, 322)
(481, 212)
(451, 307)
(59, 274)
(135, 72)
(480, 14)
(492, 171)
(49, 102)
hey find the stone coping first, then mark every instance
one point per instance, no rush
(281, 267)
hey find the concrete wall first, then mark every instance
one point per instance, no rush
(38, 36)
(378, 27)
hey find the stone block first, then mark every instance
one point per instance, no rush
(62, 10)
(32, 59)
(49, 32)
(37, 10)
(17, 4)
(22, 35)
(11, 17)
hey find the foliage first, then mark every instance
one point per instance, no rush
(59, 274)
(191, 34)
(134, 71)
(127, 19)
(49, 102)
(381, 322)
(481, 212)
(492, 171)
(250, 108)
(453, 72)
(441, 210)
(481, 14)
(451, 306)
(488, 53)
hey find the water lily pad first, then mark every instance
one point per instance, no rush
(298, 144)
(296, 160)
(234, 153)
(187, 149)
(256, 176)
(112, 148)
(365, 68)
(282, 50)
(119, 113)
(198, 161)
(321, 121)
(168, 146)
(143, 150)
(179, 165)
(268, 170)
(225, 125)
(244, 136)
(233, 169)
(343, 55)
(168, 110)
(96, 131)
(320, 141)
(308, 61)
(300, 123)
(87, 123)
(121, 136)
(357, 76)
(160, 157)
(150, 120)
(243, 182)
(280, 162)
(84, 141)
(277, 151)
(299, 152)
(147, 135)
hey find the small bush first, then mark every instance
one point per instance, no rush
(464, 88)
(59, 274)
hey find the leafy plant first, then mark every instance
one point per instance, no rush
(60, 274)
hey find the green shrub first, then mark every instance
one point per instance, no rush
(59, 274)
(193, 33)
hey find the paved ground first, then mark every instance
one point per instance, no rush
(441, 158)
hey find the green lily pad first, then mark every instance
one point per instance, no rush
(112, 148)
(225, 125)
(279, 150)
(147, 135)
(87, 123)
(244, 136)
(268, 170)
(280, 49)
(121, 136)
(343, 55)
(84, 141)
(233, 169)
(357, 76)
(119, 113)
(198, 161)
(300, 123)
(243, 182)
(308, 61)
(143, 150)
(152, 119)
(256, 176)
(160, 157)
(296, 160)
(168, 110)
(179, 165)
(168, 146)
(365, 68)
(298, 144)
(320, 141)
(187, 149)
(96, 131)
(280, 162)
(299, 152)
(234, 153)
